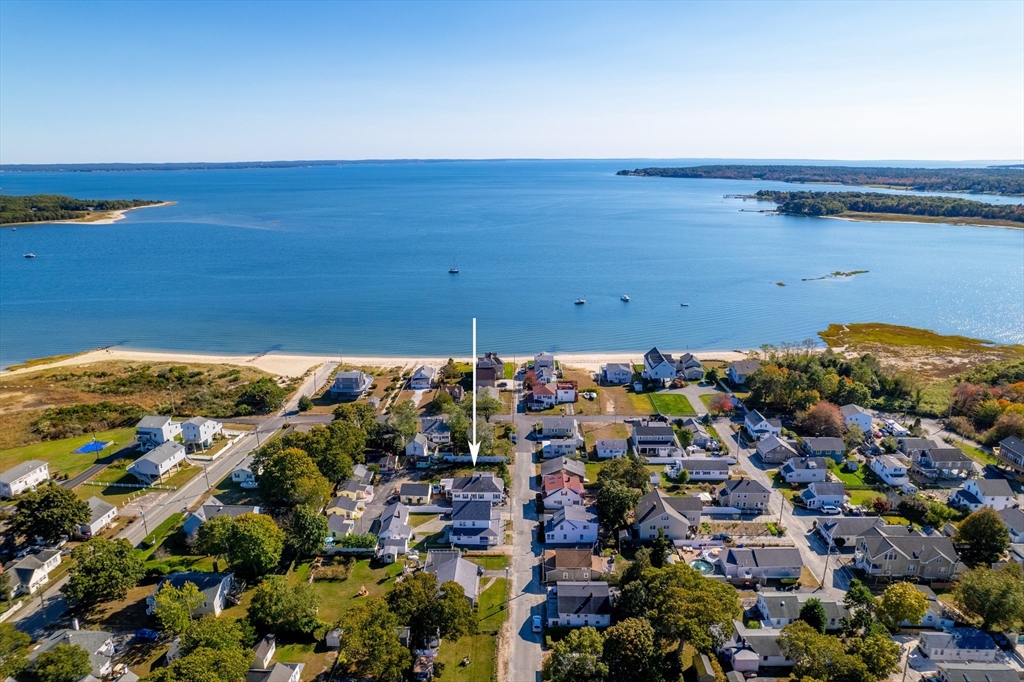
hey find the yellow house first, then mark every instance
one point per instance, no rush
(346, 507)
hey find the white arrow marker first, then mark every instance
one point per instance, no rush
(474, 445)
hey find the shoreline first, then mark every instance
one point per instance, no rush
(915, 219)
(296, 364)
(109, 217)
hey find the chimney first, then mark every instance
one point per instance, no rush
(74, 624)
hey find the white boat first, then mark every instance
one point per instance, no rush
(685, 305)
(30, 255)
(624, 298)
(580, 301)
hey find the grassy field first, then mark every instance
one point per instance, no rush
(339, 595)
(862, 476)
(416, 520)
(594, 431)
(229, 492)
(481, 649)
(61, 455)
(119, 496)
(864, 497)
(977, 454)
(672, 403)
(875, 333)
(491, 562)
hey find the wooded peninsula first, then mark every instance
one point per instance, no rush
(39, 208)
(858, 205)
(993, 180)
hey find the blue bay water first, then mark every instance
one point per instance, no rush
(354, 259)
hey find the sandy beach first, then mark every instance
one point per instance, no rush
(109, 217)
(296, 365)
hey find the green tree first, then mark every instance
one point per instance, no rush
(994, 597)
(633, 601)
(818, 656)
(369, 644)
(63, 663)
(685, 438)
(175, 605)
(615, 504)
(219, 634)
(982, 538)
(691, 608)
(305, 404)
(361, 414)
(5, 587)
(854, 437)
(577, 658)
(635, 570)
(213, 536)
(858, 596)
(101, 571)
(813, 613)
(712, 375)
(291, 477)
(913, 508)
(487, 406)
(661, 548)
(450, 373)
(276, 606)
(890, 445)
(630, 651)
(901, 602)
(49, 511)
(262, 395)
(939, 514)
(205, 665)
(452, 614)
(429, 608)
(629, 470)
(404, 419)
(879, 653)
(350, 441)
(308, 529)
(324, 447)
(13, 650)
(256, 543)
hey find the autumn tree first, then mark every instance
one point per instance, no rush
(720, 403)
(901, 602)
(823, 419)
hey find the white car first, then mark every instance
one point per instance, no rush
(829, 509)
(538, 624)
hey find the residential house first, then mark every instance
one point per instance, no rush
(943, 463)
(701, 437)
(420, 447)
(559, 427)
(414, 493)
(657, 511)
(966, 644)
(573, 467)
(977, 672)
(908, 446)
(818, 495)
(573, 604)
(750, 649)
(198, 432)
(855, 415)
(1013, 517)
(279, 672)
(758, 426)
(774, 450)
(489, 370)
(779, 609)
(32, 571)
(99, 644)
(339, 526)
(890, 470)
(482, 485)
(744, 494)
(937, 616)
(566, 564)
(880, 552)
(264, 651)
(739, 371)
(394, 533)
(571, 526)
(833, 448)
(216, 588)
(436, 430)
(541, 397)
(544, 363)
(616, 373)
(561, 489)
(611, 448)
(22, 477)
(449, 566)
(804, 470)
(350, 384)
(559, 447)
(566, 392)
(657, 440)
(658, 366)
(345, 507)
(357, 490)
(984, 492)
(688, 367)
(843, 531)
(244, 475)
(476, 523)
(700, 469)
(213, 508)
(1011, 453)
(154, 430)
(455, 391)
(101, 515)
(423, 378)
(158, 462)
(761, 563)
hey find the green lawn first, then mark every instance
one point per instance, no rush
(493, 562)
(862, 476)
(492, 607)
(864, 497)
(482, 653)
(672, 403)
(592, 469)
(229, 492)
(416, 520)
(977, 454)
(339, 595)
(314, 654)
(61, 455)
(120, 495)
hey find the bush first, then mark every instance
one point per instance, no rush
(363, 541)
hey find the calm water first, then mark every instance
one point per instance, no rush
(354, 259)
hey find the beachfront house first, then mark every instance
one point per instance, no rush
(490, 369)
(611, 448)
(544, 366)
(215, 587)
(658, 366)
(759, 427)
(101, 515)
(476, 524)
(33, 571)
(855, 415)
(154, 430)
(804, 470)
(158, 462)
(676, 516)
(656, 439)
(566, 392)
(984, 492)
(890, 470)
(819, 494)
(744, 494)
(423, 378)
(689, 367)
(351, 384)
(773, 450)
(616, 373)
(199, 432)
(739, 371)
(572, 604)
(571, 526)
(22, 477)
(1011, 453)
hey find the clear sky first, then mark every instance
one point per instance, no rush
(179, 81)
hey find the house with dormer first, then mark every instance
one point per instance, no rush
(984, 492)
(804, 470)
(571, 526)
(658, 366)
(475, 524)
(759, 427)
(676, 516)
(906, 555)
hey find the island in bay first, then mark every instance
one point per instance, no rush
(46, 208)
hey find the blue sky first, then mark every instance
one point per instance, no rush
(149, 82)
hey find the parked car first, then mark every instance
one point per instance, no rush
(724, 537)
(147, 635)
(829, 509)
(1002, 641)
(538, 623)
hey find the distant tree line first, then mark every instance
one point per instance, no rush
(43, 207)
(995, 180)
(834, 203)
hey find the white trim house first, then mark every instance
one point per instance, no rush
(22, 477)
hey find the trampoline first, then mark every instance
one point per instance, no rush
(93, 446)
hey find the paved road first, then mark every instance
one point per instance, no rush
(47, 607)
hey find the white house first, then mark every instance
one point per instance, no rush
(855, 415)
(33, 571)
(617, 373)
(758, 426)
(198, 432)
(843, 531)
(155, 464)
(654, 439)
(749, 649)
(244, 474)
(559, 447)
(700, 468)
(436, 430)
(420, 447)
(804, 470)
(890, 470)
(984, 492)
(739, 371)
(541, 397)
(818, 495)
(611, 448)
(155, 430)
(351, 384)
(215, 588)
(481, 486)
(761, 563)
(579, 604)
(978, 672)
(701, 437)
(449, 566)
(658, 366)
(264, 651)
(475, 523)
(423, 378)
(561, 490)
(101, 515)
(279, 672)
(571, 526)
(97, 643)
(565, 392)
(544, 363)
(22, 477)
(559, 427)
(779, 609)
(959, 644)
(937, 616)
(689, 367)
(1013, 517)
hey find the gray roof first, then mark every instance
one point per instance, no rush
(746, 366)
(978, 672)
(264, 646)
(338, 523)
(591, 598)
(98, 508)
(772, 442)
(90, 640)
(394, 519)
(572, 513)
(656, 503)
(279, 672)
(1013, 518)
(788, 604)
(922, 548)
(415, 489)
(994, 487)
(704, 464)
(449, 566)
(826, 443)
(743, 485)
(19, 470)
(1012, 443)
(821, 488)
(848, 525)
(947, 455)
(908, 445)
(800, 463)
(655, 357)
(345, 503)
(659, 430)
(27, 566)
(572, 466)
(614, 366)
(784, 557)
(557, 423)
(851, 409)
(198, 421)
(435, 426)
(472, 510)
(959, 638)
(611, 444)
(352, 485)
(204, 581)
(152, 421)
(480, 482)
(162, 453)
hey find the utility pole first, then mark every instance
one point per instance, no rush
(828, 555)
